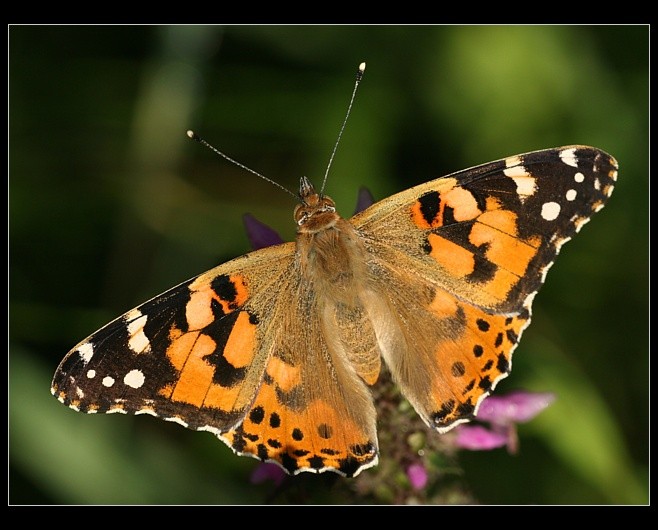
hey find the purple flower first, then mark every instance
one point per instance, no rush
(515, 407)
(479, 438)
(417, 475)
(260, 235)
(363, 200)
(502, 413)
(268, 471)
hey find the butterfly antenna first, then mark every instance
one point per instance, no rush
(359, 76)
(195, 136)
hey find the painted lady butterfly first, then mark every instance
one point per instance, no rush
(274, 352)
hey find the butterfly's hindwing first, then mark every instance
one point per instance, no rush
(313, 410)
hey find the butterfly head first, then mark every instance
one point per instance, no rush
(315, 211)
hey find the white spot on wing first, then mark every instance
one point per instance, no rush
(525, 186)
(138, 342)
(525, 183)
(132, 315)
(579, 177)
(550, 211)
(134, 379)
(86, 351)
(515, 171)
(513, 161)
(91, 374)
(568, 156)
(108, 381)
(571, 195)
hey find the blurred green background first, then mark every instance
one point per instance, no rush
(110, 203)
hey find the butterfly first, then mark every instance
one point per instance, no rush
(275, 352)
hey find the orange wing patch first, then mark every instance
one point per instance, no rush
(286, 376)
(432, 208)
(454, 258)
(195, 354)
(498, 230)
(473, 362)
(229, 291)
(483, 247)
(241, 344)
(313, 437)
(195, 374)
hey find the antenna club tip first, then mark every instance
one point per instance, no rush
(362, 67)
(191, 134)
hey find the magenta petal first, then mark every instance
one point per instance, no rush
(517, 407)
(417, 475)
(267, 471)
(478, 438)
(363, 200)
(260, 235)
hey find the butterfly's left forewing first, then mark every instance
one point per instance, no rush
(462, 257)
(190, 355)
